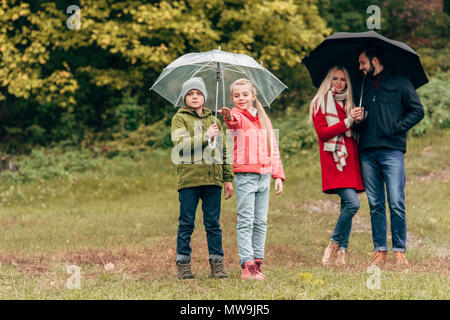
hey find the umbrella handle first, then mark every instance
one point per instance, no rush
(362, 89)
(213, 144)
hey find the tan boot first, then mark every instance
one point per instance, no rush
(400, 259)
(379, 258)
(340, 257)
(329, 253)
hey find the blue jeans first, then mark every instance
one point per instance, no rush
(349, 207)
(382, 167)
(211, 199)
(252, 195)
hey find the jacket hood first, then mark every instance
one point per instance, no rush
(206, 112)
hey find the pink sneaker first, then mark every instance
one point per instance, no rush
(258, 264)
(249, 271)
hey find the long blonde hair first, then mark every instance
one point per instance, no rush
(261, 112)
(325, 87)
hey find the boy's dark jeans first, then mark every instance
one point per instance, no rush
(211, 202)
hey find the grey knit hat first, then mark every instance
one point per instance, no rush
(194, 83)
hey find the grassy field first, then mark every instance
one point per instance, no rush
(110, 233)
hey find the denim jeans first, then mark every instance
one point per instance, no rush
(211, 199)
(349, 207)
(252, 195)
(382, 167)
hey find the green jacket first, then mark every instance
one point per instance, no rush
(197, 163)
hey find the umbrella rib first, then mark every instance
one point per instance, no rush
(169, 70)
(229, 67)
(255, 84)
(209, 64)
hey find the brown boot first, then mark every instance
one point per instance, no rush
(184, 270)
(400, 259)
(340, 257)
(379, 258)
(329, 253)
(217, 269)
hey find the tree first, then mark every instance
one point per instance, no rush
(66, 81)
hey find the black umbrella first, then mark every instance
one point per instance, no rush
(342, 49)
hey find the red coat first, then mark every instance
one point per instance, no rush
(332, 178)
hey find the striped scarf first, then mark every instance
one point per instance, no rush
(335, 145)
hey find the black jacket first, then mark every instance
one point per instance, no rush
(391, 112)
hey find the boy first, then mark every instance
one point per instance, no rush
(199, 178)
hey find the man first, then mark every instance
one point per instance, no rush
(392, 107)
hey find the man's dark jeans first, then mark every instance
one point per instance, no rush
(211, 202)
(379, 167)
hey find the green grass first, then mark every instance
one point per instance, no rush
(281, 283)
(117, 222)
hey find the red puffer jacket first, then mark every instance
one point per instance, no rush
(250, 152)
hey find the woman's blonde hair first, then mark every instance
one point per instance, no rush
(261, 112)
(325, 87)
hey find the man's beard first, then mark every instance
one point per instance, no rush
(369, 73)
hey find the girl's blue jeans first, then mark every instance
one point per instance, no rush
(252, 195)
(349, 207)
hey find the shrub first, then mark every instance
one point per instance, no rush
(295, 134)
(156, 135)
(435, 61)
(52, 163)
(436, 28)
(435, 98)
(128, 115)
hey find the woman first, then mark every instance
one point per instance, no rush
(332, 113)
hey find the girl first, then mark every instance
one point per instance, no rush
(332, 114)
(256, 159)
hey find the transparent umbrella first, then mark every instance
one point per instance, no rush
(219, 69)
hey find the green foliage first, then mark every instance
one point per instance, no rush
(72, 86)
(435, 29)
(36, 134)
(345, 15)
(295, 134)
(435, 98)
(156, 135)
(419, 23)
(45, 164)
(128, 115)
(435, 61)
(74, 81)
(294, 29)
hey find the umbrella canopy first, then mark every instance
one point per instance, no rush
(219, 69)
(342, 49)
